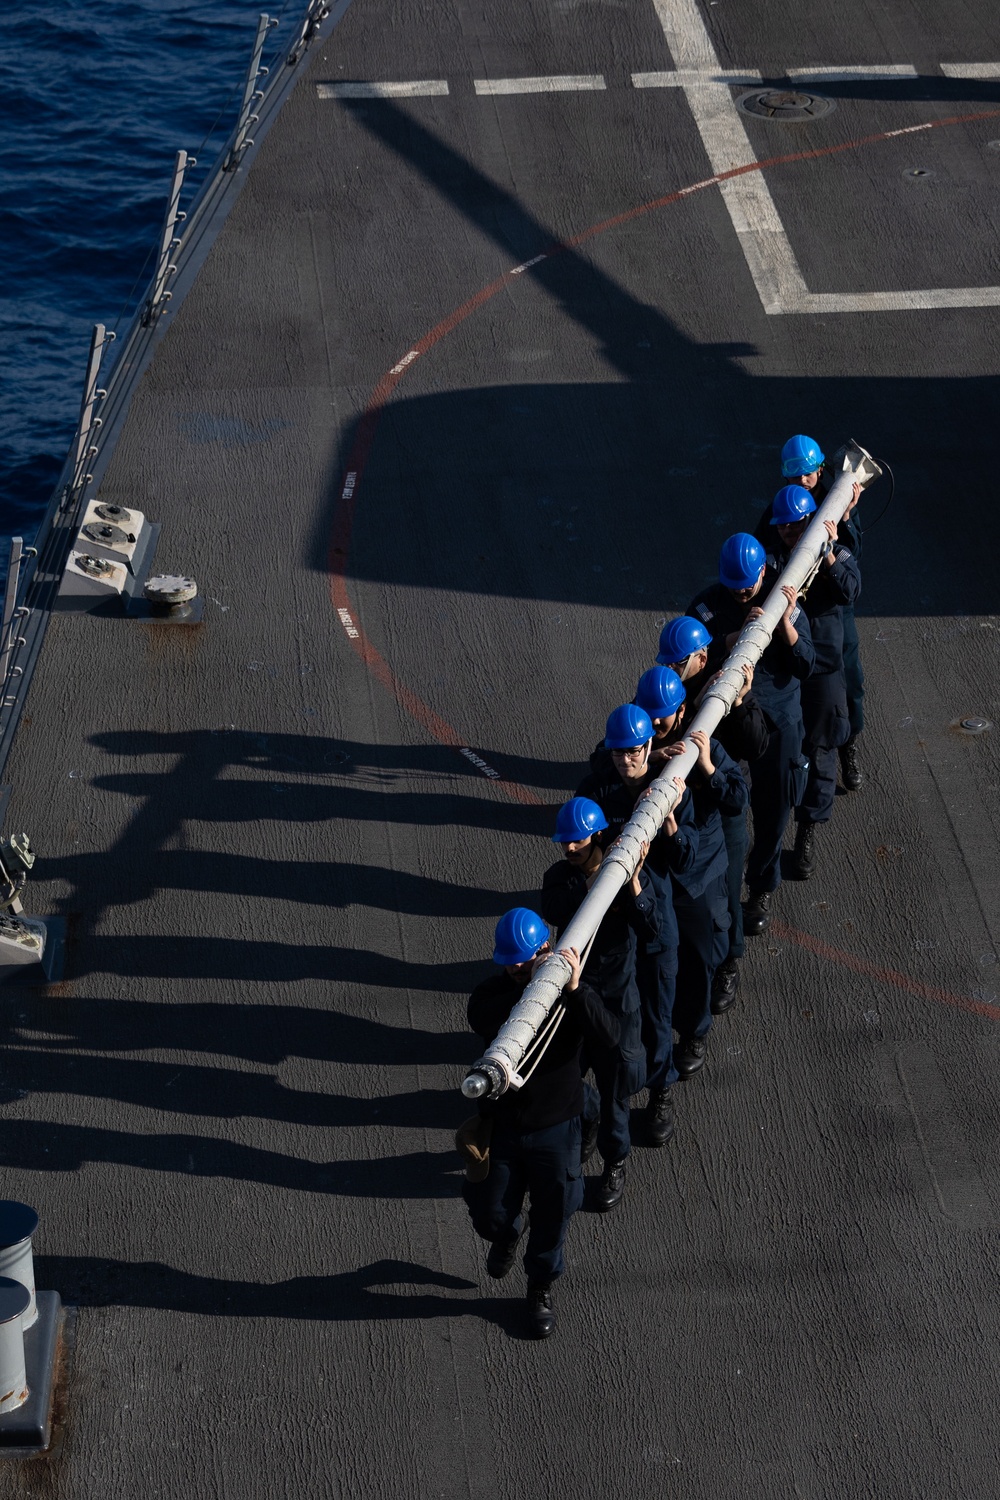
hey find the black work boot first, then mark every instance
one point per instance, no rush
(757, 913)
(850, 770)
(804, 853)
(659, 1119)
(612, 1185)
(541, 1314)
(689, 1055)
(502, 1254)
(724, 986)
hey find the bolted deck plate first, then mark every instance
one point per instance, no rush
(790, 106)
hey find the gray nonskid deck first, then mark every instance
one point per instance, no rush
(234, 1115)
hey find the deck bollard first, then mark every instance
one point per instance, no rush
(14, 1301)
(18, 1223)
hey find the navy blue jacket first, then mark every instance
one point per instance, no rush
(833, 589)
(743, 732)
(724, 793)
(781, 667)
(667, 855)
(554, 1092)
(611, 962)
(849, 532)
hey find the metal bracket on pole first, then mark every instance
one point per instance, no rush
(241, 138)
(500, 1066)
(159, 296)
(316, 13)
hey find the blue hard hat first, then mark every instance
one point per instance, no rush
(679, 638)
(578, 819)
(627, 727)
(791, 504)
(801, 455)
(660, 692)
(519, 935)
(740, 561)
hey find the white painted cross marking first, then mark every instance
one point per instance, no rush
(762, 237)
(556, 85)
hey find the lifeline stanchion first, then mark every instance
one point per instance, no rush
(499, 1067)
(251, 95)
(158, 295)
(89, 423)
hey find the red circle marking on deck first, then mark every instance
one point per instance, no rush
(343, 521)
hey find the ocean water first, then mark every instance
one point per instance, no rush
(98, 96)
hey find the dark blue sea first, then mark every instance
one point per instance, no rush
(98, 96)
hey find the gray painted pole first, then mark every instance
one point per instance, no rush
(499, 1067)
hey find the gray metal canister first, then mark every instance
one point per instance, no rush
(18, 1223)
(14, 1301)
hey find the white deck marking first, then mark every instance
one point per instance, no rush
(762, 237)
(854, 74)
(687, 78)
(425, 87)
(971, 70)
(566, 84)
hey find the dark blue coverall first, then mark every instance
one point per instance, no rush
(778, 777)
(535, 1140)
(701, 893)
(743, 734)
(824, 693)
(610, 969)
(849, 535)
(656, 960)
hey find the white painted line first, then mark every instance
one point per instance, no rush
(557, 85)
(971, 70)
(687, 78)
(852, 74)
(426, 87)
(929, 301)
(766, 247)
(520, 270)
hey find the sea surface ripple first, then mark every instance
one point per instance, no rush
(98, 96)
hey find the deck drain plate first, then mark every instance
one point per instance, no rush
(789, 105)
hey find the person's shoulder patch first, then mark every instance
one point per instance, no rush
(795, 614)
(703, 612)
(841, 552)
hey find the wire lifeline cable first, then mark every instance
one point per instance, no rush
(499, 1067)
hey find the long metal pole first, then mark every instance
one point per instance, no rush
(498, 1069)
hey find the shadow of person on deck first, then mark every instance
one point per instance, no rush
(351, 1296)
